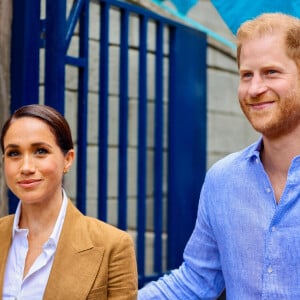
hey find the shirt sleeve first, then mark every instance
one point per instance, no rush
(200, 275)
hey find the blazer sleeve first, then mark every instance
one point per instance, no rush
(122, 273)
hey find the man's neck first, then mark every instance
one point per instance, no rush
(276, 156)
(278, 153)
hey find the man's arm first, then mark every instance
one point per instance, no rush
(200, 275)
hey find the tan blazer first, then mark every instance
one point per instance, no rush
(93, 260)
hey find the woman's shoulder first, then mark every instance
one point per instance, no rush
(92, 223)
(99, 232)
(6, 219)
(110, 236)
(105, 228)
(6, 223)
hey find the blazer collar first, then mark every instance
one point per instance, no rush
(77, 260)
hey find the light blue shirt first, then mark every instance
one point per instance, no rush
(243, 240)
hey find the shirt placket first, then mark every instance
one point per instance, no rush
(270, 265)
(20, 257)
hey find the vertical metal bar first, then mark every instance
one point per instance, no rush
(103, 113)
(158, 150)
(82, 113)
(25, 40)
(142, 157)
(171, 152)
(187, 136)
(55, 54)
(123, 121)
(25, 53)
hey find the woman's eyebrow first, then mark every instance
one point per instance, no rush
(11, 146)
(33, 145)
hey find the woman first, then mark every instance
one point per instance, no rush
(48, 249)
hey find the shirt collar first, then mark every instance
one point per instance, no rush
(253, 151)
(54, 237)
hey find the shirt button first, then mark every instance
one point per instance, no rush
(273, 229)
(270, 270)
(269, 190)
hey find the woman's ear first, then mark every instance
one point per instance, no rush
(69, 158)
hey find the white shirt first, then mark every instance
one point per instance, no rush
(31, 287)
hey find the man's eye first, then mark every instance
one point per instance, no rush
(246, 75)
(41, 151)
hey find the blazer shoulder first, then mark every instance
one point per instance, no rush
(9, 219)
(97, 227)
(82, 229)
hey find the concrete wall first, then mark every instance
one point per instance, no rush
(228, 129)
(93, 116)
(5, 33)
(93, 121)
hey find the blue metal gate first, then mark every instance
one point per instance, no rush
(41, 38)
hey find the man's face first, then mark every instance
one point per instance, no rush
(269, 90)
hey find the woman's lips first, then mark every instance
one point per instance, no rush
(29, 183)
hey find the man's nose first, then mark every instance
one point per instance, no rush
(257, 86)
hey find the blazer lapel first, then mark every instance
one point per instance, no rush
(76, 261)
(6, 225)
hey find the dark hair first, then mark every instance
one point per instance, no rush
(56, 122)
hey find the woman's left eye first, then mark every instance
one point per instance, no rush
(41, 151)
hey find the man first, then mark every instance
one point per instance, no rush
(247, 233)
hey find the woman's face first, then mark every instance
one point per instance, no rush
(33, 162)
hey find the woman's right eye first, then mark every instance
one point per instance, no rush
(12, 153)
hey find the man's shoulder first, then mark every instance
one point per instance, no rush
(236, 160)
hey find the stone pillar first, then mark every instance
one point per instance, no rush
(5, 36)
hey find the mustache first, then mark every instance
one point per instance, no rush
(259, 99)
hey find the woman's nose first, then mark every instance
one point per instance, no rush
(27, 165)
